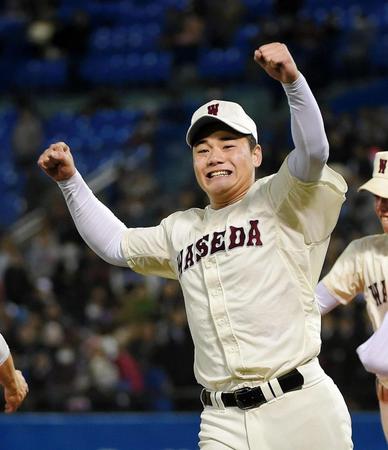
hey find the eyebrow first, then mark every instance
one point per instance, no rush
(222, 138)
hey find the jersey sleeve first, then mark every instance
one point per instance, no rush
(310, 207)
(345, 279)
(147, 251)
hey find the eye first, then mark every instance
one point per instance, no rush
(202, 150)
(229, 146)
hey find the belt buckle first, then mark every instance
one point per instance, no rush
(249, 398)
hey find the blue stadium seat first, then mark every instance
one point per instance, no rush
(226, 64)
(7, 122)
(122, 39)
(132, 14)
(258, 8)
(11, 207)
(379, 52)
(42, 73)
(245, 35)
(371, 95)
(133, 68)
(117, 118)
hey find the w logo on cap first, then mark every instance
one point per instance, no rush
(383, 165)
(213, 109)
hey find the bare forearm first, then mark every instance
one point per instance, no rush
(8, 374)
(14, 384)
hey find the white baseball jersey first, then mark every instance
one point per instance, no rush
(363, 268)
(248, 273)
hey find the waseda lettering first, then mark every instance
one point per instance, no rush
(219, 241)
(202, 247)
(237, 237)
(380, 296)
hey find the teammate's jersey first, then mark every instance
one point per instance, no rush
(363, 268)
(248, 273)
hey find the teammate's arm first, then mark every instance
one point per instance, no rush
(97, 225)
(311, 151)
(345, 279)
(373, 353)
(12, 380)
(326, 300)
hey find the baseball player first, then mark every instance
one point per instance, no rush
(12, 380)
(247, 264)
(363, 268)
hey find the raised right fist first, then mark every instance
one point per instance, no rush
(57, 162)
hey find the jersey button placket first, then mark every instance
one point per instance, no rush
(219, 313)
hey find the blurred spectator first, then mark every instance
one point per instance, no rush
(27, 137)
(71, 39)
(18, 287)
(184, 35)
(222, 18)
(27, 141)
(287, 8)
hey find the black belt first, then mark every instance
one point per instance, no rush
(248, 398)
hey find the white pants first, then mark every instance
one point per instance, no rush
(313, 418)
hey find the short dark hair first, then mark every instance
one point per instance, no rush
(251, 141)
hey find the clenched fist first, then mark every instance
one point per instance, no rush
(14, 396)
(277, 61)
(57, 161)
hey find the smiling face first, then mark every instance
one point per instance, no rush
(224, 164)
(381, 208)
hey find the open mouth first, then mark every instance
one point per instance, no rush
(219, 173)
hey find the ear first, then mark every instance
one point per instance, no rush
(257, 156)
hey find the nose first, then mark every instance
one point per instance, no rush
(215, 156)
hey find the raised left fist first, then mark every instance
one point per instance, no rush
(277, 61)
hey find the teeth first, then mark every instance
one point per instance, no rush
(219, 173)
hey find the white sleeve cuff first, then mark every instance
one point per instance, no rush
(326, 301)
(373, 353)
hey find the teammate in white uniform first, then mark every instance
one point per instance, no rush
(248, 264)
(12, 380)
(363, 268)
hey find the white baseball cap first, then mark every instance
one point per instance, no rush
(230, 113)
(378, 184)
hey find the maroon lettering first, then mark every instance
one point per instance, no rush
(218, 242)
(384, 287)
(383, 165)
(213, 109)
(237, 237)
(254, 234)
(202, 247)
(179, 262)
(189, 260)
(375, 292)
